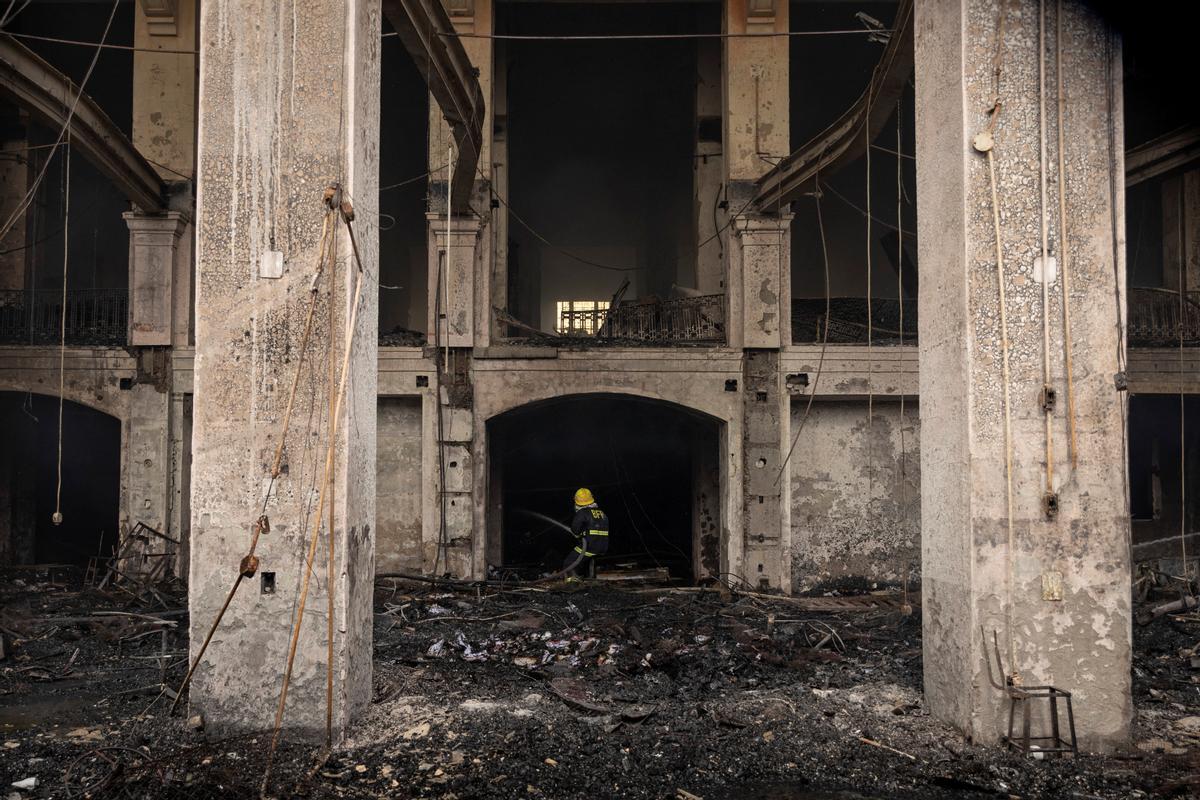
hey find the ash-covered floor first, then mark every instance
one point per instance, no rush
(547, 693)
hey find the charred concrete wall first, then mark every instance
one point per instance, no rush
(856, 494)
(398, 485)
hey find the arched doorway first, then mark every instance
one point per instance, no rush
(653, 466)
(91, 477)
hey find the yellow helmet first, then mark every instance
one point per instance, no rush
(583, 497)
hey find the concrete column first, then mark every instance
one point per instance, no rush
(1062, 589)
(1181, 231)
(709, 166)
(766, 523)
(153, 252)
(149, 467)
(14, 182)
(456, 262)
(760, 281)
(7, 509)
(458, 502)
(500, 174)
(756, 89)
(164, 86)
(271, 140)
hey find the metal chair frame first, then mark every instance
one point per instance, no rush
(1054, 743)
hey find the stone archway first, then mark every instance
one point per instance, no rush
(654, 466)
(91, 481)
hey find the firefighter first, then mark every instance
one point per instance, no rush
(590, 527)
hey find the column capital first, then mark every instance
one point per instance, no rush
(760, 224)
(172, 222)
(459, 226)
(153, 245)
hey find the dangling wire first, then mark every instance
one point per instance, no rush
(1062, 238)
(986, 144)
(1043, 212)
(329, 563)
(1183, 509)
(900, 303)
(440, 300)
(812, 390)
(346, 214)
(57, 517)
(870, 355)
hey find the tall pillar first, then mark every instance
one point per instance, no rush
(758, 275)
(1181, 231)
(153, 268)
(271, 140)
(164, 86)
(459, 313)
(756, 90)
(1061, 590)
(708, 175)
(14, 183)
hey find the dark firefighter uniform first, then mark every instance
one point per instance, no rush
(590, 527)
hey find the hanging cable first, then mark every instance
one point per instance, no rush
(57, 517)
(985, 143)
(585, 37)
(20, 208)
(906, 607)
(1050, 499)
(101, 45)
(871, 505)
(1183, 508)
(331, 381)
(812, 392)
(1062, 238)
(861, 210)
(346, 214)
(439, 293)
(249, 564)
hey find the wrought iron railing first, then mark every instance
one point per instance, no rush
(1155, 319)
(93, 316)
(849, 321)
(686, 319)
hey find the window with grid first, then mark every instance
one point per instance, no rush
(580, 316)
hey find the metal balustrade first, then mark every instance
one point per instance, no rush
(686, 319)
(1155, 319)
(97, 317)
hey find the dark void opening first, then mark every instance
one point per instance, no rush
(652, 467)
(97, 238)
(841, 234)
(91, 468)
(600, 142)
(403, 183)
(1155, 461)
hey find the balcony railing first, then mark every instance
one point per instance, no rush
(1155, 319)
(686, 319)
(848, 320)
(96, 317)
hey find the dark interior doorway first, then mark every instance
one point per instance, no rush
(1155, 460)
(404, 177)
(91, 473)
(644, 461)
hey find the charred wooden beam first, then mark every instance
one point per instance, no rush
(32, 83)
(428, 35)
(844, 140)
